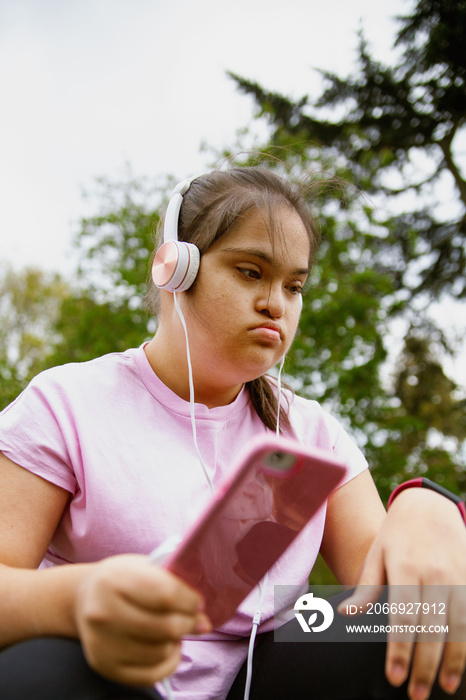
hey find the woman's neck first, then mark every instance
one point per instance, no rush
(169, 362)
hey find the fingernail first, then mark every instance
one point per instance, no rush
(397, 673)
(420, 691)
(451, 682)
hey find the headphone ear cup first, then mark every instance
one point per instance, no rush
(175, 266)
(191, 266)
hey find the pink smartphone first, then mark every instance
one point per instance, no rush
(273, 490)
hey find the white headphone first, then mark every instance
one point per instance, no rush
(176, 263)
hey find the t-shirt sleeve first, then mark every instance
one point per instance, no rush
(345, 449)
(313, 426)
(36, 432)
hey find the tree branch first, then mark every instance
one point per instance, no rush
(445, 145)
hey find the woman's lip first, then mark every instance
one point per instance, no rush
(268, 332)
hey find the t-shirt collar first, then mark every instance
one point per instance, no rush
(176, 404)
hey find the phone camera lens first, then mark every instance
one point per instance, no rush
(280, 460)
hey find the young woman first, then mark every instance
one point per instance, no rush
(99, 466)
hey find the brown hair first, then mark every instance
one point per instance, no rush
(210, 208)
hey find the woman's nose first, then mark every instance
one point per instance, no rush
(272, 302)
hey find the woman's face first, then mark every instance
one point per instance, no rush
(244, 307)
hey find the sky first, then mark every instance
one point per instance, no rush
(90, 87)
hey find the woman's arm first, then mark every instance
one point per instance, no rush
(355, 514)
(421, 543)
(129, 615)
(30, 509)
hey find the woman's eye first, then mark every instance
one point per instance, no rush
(295, 289)
(249, 273)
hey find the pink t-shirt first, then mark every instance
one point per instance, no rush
(114, 436)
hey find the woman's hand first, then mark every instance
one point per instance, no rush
(421, 544)
(131, 616)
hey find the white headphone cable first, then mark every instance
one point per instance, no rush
(166, 681)
(262, 586)
(279, 393)
(255, 624)
(191, 393)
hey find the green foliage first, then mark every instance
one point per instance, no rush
(29, 306)
(106, 312)
(321, 574)
(45, 322)
(373, 268)
(88, 329)
(115, 244)
(391, 131)
(392, 120)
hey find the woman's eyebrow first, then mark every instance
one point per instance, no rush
(258, 253)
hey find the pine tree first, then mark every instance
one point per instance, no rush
(393, 132)
(390, 120)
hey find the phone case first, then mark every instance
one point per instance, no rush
(273, 490)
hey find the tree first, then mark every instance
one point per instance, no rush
(45, 322)
(116, 243)
(338, 354)
(371, 270)
(29, 306)
(86, 328)
(105, 312)
(391, 120)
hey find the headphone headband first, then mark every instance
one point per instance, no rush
(183, 186)
(172, 215)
